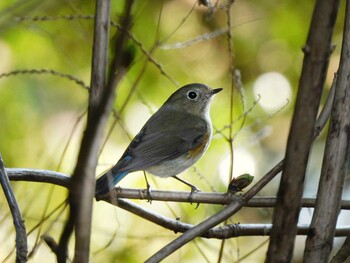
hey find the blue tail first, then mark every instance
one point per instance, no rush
(106, 182)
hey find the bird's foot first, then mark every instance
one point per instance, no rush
(194, 189)
(149, 196)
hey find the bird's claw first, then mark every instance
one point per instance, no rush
(149, 196)
(194, 189)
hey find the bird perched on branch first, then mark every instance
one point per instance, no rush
(172, 140)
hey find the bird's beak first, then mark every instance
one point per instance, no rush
(214, 91)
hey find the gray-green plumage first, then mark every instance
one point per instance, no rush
(172, 140)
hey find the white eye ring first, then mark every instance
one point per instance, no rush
(192, 95)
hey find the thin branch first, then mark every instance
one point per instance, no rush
(40, 176)
(114, 24)
(204, 37)
(201, 198)
(21, 235)
(240, 259)
(46, 71)
(52, 18)
(327, 108)
(242, 116)
(234, 84)
(152, 59)
(182, 22)
(60, 208)
(60, 179)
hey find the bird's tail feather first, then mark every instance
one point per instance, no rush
(106, 182)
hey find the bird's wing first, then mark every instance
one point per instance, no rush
(150, 147)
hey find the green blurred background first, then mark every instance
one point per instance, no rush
(40, 114)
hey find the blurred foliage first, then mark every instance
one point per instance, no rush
(39, 112)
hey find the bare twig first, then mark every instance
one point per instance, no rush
(204, 37)
(327, 108)
(234, 84)
(52, 18)
(343, 253)
(42, 176)
(21, 235)
(58, 209)
(114, 24)
(45, 71)
(60, 179)
(335, 162)
(242, 117)
(165, 39)
(317, 52)
(201, 198)
(152, 59)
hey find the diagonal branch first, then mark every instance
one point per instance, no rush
(343, 253)
(222, 232)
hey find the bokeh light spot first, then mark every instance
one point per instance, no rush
(273, 89)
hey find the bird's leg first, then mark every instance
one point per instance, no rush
(193, 187)
(149, 188)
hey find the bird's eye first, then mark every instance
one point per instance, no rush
(192, 95)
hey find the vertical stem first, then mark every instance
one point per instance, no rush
(82, 188)
(102, 96)
(319, 242)
(232, 90)
(317, 51)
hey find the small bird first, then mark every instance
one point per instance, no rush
(172, 140)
